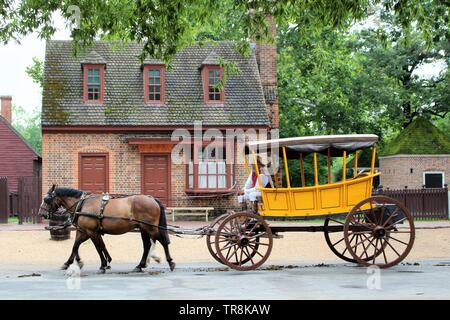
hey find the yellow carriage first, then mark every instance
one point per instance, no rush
(358, 227)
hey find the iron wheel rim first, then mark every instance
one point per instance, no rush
(386, 245)
(229, 241)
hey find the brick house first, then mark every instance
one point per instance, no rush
(17, 157)
(107, 118)
(418, 157)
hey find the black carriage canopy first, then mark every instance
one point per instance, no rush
(320, 144)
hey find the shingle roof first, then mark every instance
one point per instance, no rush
(124, 93)
(212, 58)
(94, 58)
(13, 130)
(419, 137)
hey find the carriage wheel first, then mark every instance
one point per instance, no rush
(336, 241)
(210, 244)
(243, 241)
(383, 229)
(210, 241)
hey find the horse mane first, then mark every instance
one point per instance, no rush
(68, 192)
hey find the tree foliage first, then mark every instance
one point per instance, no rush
(359, 82)
(165, 26)
(36, 71)
(28, 124)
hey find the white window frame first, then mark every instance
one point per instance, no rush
(434, 172)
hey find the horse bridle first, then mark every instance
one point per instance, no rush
(49, 198)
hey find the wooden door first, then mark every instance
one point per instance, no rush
(156, 176)
(94, 173)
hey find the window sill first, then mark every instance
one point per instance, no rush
(206, 191)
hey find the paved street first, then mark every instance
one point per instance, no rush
(424, 280)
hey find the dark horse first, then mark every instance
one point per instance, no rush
(120, 215)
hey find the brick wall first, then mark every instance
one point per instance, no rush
(396, 170)
(6, 108)
(60, 166)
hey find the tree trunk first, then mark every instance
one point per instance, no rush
(407, 113)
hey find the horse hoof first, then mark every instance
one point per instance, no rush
(80, 264)
(137, 269)
(101, 271)
(65, 266)
(172, 266)
(108, 267)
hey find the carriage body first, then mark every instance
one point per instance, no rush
(333, 198)
(320, 199)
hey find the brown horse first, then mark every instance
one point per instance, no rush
(120, 215)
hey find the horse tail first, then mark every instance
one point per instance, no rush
(163, 235)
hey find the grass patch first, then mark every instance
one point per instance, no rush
(13, 220)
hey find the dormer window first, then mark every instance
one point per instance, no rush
(212, 90)
(94, 75)
(154, 84)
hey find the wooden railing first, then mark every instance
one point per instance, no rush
(426, 203)
(4, 199)
(29, 199)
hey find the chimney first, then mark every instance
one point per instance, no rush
(266, 56)
(6, 111)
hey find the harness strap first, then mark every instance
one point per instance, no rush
(78, 208)
(103, 203)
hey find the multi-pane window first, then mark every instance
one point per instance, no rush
(213, 90)
(214, 85)
(94, 84)
(211, 171)
(154, 83)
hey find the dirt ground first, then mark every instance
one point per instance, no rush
(35, 247)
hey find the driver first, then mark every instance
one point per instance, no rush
(250, 191)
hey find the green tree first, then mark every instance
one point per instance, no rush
(165, 26)
(36, 71)
(398, 54)
(28, 124)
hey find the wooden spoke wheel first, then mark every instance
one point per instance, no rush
(334, 237)
(210, 244)
(243, 241)
(382, 230)
(336, 241)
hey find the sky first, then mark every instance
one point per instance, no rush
(15, 58)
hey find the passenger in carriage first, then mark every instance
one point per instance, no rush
(250, 191)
